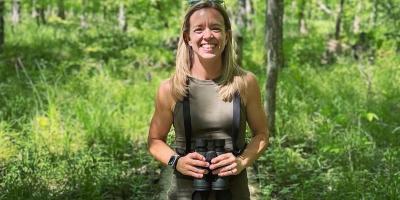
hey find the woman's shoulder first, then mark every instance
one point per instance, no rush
(249, 78)
(252, 88)
(165, 86)
(164, 93)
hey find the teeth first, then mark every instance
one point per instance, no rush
(208, 45)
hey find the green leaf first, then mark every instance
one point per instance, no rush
(372, 116)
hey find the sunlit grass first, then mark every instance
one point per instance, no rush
(73, 122)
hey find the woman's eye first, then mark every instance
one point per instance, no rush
(216, 29)
(198, 30)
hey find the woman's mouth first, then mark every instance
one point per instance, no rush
(208, 47)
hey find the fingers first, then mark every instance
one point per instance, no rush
(195, 172)
(196, 159)
(226, 165)
(194, 164)
(196, 156)
(191, 165)
(222, 160)
(232, 168)
(234, 171)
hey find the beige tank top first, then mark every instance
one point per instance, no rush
(211, 117)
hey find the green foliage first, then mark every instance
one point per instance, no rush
(332, 141)
(76, 103)
(75, 111)
(335, 131)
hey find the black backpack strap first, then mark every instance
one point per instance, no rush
(187, 119)
(236, 124)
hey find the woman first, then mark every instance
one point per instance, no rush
(208, 81)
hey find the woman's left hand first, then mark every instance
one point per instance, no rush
(226, 165)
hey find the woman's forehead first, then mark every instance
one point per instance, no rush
(206, 15)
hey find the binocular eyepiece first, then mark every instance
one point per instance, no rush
(210, 149)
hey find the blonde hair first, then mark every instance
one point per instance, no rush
(232, 79)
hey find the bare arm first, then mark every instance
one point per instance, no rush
(257, 120)
(161, 124)
(159, 128)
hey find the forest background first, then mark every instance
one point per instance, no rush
(78, 79)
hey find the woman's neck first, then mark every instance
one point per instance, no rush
(207, 70)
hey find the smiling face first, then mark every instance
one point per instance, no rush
(207, 35)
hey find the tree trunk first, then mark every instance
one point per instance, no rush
(121, 18)
(42, 15)
(249, 12)
(339, 21)
(274, 49)
(357, 19)
(2, 8)
(61, 9)
(15, 16)
(241, 28)
(301, 18)
(35, 13)
(293, 9)
(324, 8)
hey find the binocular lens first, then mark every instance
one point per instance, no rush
(210, 149)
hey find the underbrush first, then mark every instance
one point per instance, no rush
(337, 133)
(74, 116)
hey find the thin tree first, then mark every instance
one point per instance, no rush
(2, 5)
(301, 17)
(357, 18)
(35, 13)
(324, 7)
(123, 25)
(16, 8)
(42, 14)
(249, 12)
(339, 21)
(274, 50)
(61, 9)
(240, 20)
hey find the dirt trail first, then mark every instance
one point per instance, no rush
(253, 185)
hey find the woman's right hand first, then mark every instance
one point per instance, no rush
(192, 164)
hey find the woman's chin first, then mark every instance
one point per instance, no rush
(208, 56)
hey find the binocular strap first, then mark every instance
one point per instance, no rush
(219, 195)
(187, 123)
(236, 122)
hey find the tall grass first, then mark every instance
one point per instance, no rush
(337, 132)
(74, 116)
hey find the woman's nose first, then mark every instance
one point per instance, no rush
(207, 34)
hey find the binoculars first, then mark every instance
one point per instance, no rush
(210, 149)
